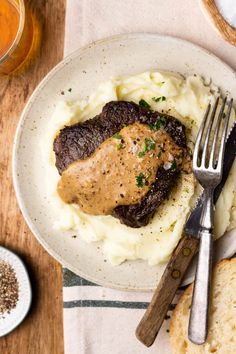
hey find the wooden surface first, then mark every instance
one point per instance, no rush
(42, 331)
(218, 21)
(171, 279)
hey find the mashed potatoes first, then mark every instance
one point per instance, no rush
(186, 99)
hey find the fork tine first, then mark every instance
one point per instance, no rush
(212, 153)
(199, 138)
(206, 143)
(223, 138)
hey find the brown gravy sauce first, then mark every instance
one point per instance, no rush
(121, 170)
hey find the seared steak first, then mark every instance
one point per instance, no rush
(80, 140)
(137, 215)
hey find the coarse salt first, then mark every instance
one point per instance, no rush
(167, 166)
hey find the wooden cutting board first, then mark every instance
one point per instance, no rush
(217, 20)
(42, 330)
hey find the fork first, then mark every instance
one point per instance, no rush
(207, 168)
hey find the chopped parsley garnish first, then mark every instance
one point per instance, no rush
(223, 115)
(144, 103)
(144, 147)
(148, 145)
(70, 89)
(157, 125)
(159, 154)
(120, 146)
(159, 99)
(173, 166)
(141, 154)
(140, 180)
(117, 136)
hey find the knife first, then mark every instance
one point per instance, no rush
(181, 258)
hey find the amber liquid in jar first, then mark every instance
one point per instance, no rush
(20, 35)
(9, 24)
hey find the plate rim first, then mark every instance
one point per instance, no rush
(16, 142)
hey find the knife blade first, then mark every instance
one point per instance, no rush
(192, 224)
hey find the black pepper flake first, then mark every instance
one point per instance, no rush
(172, 307)
(62, 92)
(9, 288)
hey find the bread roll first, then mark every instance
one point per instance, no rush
(222, 324)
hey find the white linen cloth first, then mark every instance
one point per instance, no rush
(98, 320)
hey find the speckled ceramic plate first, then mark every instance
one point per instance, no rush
(9, 321)
(83, 71)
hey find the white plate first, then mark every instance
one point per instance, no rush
(83, 71)
(9, 321)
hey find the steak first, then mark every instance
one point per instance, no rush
(79, 141)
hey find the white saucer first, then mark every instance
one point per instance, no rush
(9, 321)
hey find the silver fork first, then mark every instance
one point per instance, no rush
(207, 168)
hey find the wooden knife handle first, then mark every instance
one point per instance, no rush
(153, 318)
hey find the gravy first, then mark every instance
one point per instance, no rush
(121, 170)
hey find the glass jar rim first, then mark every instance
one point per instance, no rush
(17, 38)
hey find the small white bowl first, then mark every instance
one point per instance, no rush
(9, 321)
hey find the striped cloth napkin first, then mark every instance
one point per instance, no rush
(98, 320)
